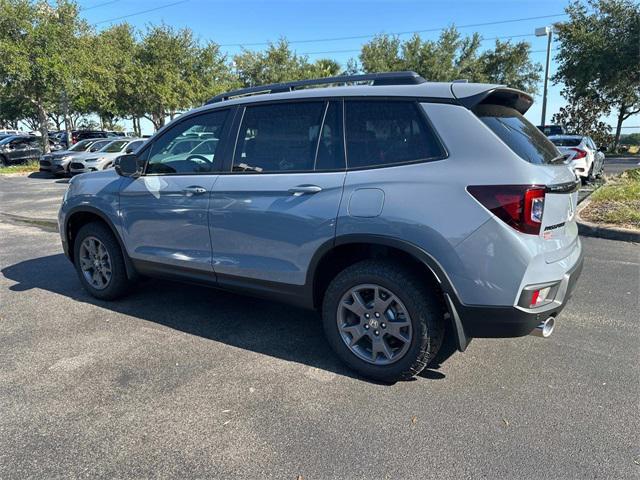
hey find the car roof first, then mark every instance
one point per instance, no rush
(436, 90)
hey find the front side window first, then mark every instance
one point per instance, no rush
(188, 147)
(279, 137)
(519, 134)
(386, 133)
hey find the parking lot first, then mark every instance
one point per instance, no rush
(182, 381)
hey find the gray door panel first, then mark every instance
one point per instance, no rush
(165, 220)
(268, 227)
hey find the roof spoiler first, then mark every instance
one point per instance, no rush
(508, 97)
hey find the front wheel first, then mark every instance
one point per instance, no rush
(99, 262)
(382, 320)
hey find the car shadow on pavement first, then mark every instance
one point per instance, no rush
(261, 326)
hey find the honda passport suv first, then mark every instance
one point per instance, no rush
(402, 210)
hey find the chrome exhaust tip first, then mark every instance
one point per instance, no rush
(545, 329)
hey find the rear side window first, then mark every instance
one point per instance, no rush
(566, 142)
(387, 132)
(279, 137)
(519, 134)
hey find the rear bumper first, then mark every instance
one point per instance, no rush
(501, 322)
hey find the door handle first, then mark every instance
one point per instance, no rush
(189, 191)
(302, 189)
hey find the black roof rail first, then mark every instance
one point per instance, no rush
(389, 78)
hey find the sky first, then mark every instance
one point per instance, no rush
(307, 24)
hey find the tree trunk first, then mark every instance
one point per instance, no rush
(67, 119)
(42, 121)
(621, 114)
(157, 118)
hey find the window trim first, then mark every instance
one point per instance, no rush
(218, 163)
(417, 101)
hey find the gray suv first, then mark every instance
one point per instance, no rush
(404, 211)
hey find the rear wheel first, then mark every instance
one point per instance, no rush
(382, 320)
(3, 161)
(590, 176)
(99, 262)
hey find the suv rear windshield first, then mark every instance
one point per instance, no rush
(566, 142)
(519, 134)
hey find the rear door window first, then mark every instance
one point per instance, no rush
(519, 134)
(381, 132)
(280, 137)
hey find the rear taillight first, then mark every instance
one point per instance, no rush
(579, 153)
(519, 206)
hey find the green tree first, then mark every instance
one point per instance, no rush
(453, 57)
(599, 55)
(278, 63)
(174, 72)
(38, 43)
(582, 116)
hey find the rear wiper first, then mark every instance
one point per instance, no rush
(562, 156)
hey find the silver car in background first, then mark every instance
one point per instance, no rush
(58, 162)
(104, 158)
(583, 156)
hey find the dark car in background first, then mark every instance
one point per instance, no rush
(77, 135)
(19, 149)
(549, 130)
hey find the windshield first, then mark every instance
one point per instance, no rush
(566, 142)
(98, 145)
(519, 134)
(114, 147)
(81, 146)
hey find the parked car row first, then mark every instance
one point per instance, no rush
(88, 155)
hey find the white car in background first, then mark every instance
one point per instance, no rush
(104, 158)
(583, 156)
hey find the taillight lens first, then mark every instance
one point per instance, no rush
(519, 206)
(579, 153)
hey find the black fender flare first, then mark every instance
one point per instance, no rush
(131, 271)
(451, 296)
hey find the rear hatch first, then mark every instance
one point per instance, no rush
(552, 218)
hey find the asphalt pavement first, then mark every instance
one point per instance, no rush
(186, 382)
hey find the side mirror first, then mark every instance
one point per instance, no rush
(129, 166)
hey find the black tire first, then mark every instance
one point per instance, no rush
(118, 284)
(3, 161)
(423, 304)
(590, 176)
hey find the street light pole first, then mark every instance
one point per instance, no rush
(541, 32)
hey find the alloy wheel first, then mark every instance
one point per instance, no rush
(95, 263)
(374, 324)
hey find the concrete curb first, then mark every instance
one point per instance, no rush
(608, 232)
(44, 223)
